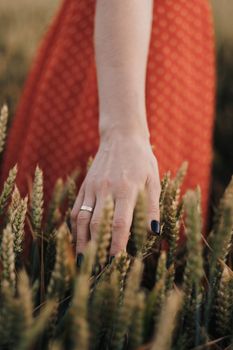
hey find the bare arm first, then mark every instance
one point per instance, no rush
(124, 163)
(121, 37)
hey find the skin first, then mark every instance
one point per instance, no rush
(124, 162)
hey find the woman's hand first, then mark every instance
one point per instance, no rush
(124, 163)
(122, 166)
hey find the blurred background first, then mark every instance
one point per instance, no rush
(23, 22)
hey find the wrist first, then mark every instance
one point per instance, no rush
(124, 131)
(122, 109)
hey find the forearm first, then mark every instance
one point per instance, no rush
(121, 39)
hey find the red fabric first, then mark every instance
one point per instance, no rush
(56, 122)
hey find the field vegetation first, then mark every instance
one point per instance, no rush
(147, 297)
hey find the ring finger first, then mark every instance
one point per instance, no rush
(83, 221)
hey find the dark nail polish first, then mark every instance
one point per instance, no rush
(79, 260)
(155, 227)
(110, 260)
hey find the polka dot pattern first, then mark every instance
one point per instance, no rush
(56, 122)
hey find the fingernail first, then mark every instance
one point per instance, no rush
(110, 260)
(155, 227)
(79, 260)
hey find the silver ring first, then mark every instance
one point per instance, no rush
(87, 208)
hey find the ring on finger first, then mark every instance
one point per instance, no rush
(87, 208)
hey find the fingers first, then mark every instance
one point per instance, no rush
(83, 221)
(122, 220)
(153, 193)
(75, 210)
(97, 216)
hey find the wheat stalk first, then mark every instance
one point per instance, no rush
(8, 259)
(8, 188)
(167, 322)
(37, 200)
(3, 125)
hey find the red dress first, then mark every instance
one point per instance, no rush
(56, 122)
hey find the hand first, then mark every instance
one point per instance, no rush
(122, 166)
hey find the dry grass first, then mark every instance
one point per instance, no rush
(22, 23)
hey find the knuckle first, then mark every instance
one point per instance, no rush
(81, 241)
(103, 183)
(123, 188)
(154, 208)
(154, 184)
(94, 224)
(125, 182)
(120, 224)
(117, 246)
(82, 218)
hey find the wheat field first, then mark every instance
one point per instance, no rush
(148, 297)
